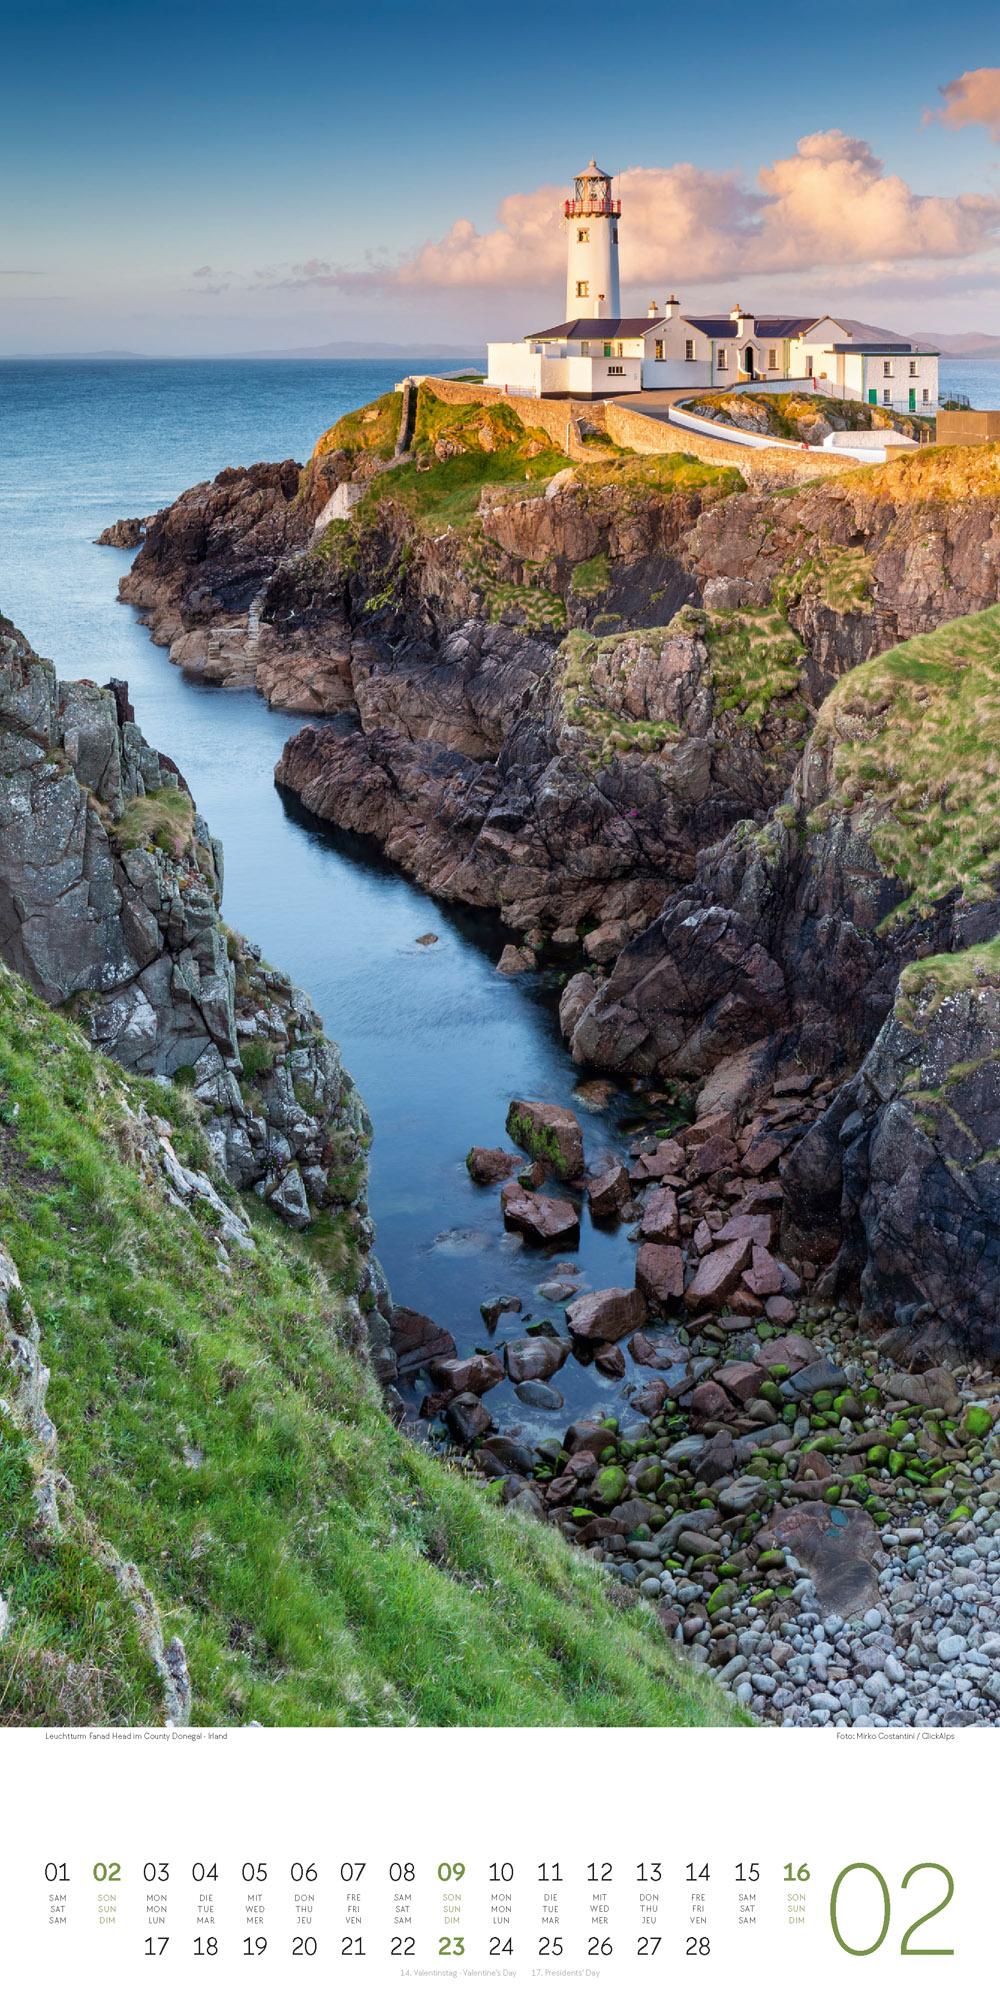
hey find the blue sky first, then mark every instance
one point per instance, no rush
(298, 161)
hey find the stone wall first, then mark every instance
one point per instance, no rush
(642, 433)
(628, 427)
(968, 427)
(538, 413)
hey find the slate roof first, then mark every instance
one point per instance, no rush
(862, 338)
(766, 329)
(596, 329)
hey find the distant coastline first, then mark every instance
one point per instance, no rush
(334, 350)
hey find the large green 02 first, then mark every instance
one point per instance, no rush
(907, 1949)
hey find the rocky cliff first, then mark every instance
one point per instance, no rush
(110, 891)
(660, 724)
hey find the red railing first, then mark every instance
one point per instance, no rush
(592, 208)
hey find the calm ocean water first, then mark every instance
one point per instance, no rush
(438, 1042)
(979, 380)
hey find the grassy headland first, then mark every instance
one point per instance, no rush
(218, 1431)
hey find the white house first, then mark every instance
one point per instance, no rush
(595, 352)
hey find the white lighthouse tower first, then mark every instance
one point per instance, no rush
(592, 288)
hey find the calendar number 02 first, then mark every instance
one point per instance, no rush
(907, 1948)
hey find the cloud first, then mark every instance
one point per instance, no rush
(830, 204)
(973, 99)
(829, 207)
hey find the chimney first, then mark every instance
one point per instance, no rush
(653, 310)
(672, 306)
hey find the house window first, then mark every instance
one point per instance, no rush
(615, 371)
(619, 347)
(689, 350)
(772, 357)
(927, 395)
(809, 364)
(887, 367)
(582, 289)
(723, 358)
(913, 368)
(583, 235)
(584, 347)
(658, 350)
(887, 396)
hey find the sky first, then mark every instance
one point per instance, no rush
(221, 178)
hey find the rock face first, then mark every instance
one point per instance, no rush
(899, 1179)
(110, 885)
(206, 559)
(603, 712)
(124, 534)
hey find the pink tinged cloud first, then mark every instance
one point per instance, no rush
(973, 99)
(830, 204)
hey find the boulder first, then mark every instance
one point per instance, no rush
(709, 1401)
(417, 1340)
(491, 1163)
(660, 1223)
(658, 1350)
(609, 1192)
(609, 1360)
(649, 1399)
(467, 1418)
(659, 1272)
(935, 1389)
(757, 1228)
(597, 1318)
(493, 1311)
(604, 944)
(780, 1310)
(712, 1156)
(666, 1158)
(538, 1395)
(516, 958)
(741, 1380)
(718, 1274)
(764, 1275)
(817, 1375)
(587, 1434)
(476, 1372)
(789, 1350)
(744, 1495)
(535, 1358)
(550, 1133)
(496, 1456)
(540, 1218)
(839, 1547)
(576, 997)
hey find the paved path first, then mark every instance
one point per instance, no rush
(771, 467)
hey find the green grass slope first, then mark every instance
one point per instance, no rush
(916, 731)
(219, 1433)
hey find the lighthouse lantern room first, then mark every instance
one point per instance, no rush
(592, 288)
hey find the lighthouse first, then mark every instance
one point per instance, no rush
(592, 289)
